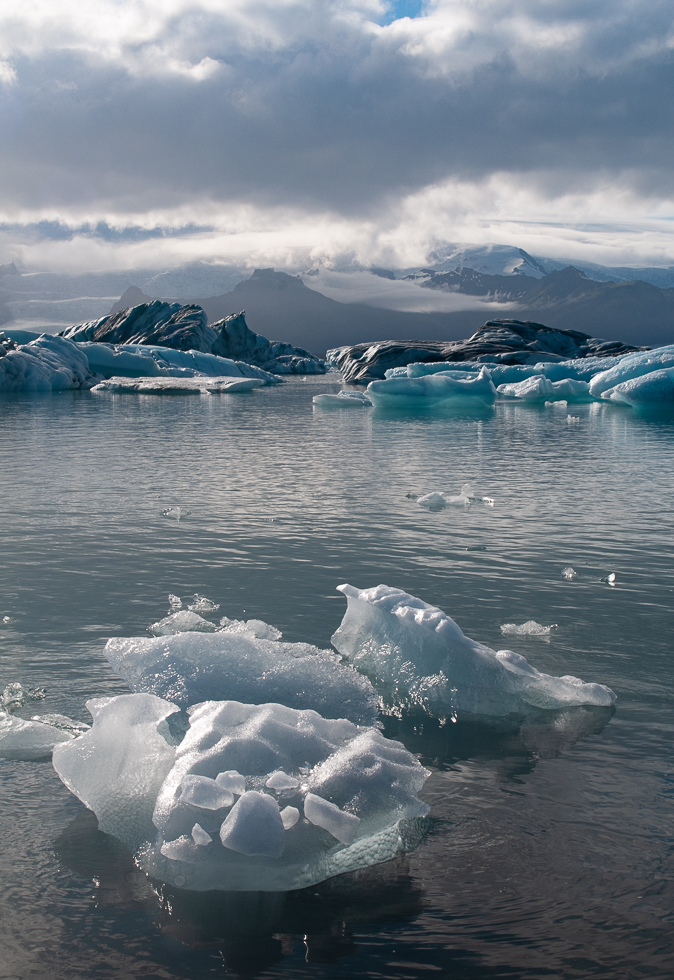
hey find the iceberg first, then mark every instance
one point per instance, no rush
(418, 658)
(433, 391)
(653, 390)
(45, 364)
(171, 805)
(182, 621)
(178, 386)
(539, 389)
(438, 499)
(27, 741)
(151, 361)
(630, 367)
(530, 628)
(235, 663)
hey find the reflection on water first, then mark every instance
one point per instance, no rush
(550, 853)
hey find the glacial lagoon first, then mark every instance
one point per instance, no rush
(549, 848)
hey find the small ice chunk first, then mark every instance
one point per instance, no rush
(610, 579)
(175, 602)
(63, 723)
(263, 631)
(7, 620)
(530, 628)
(289, 817)
(200, 837)
(572, 418)
(568, 573)
(25, 741)
(432, 501)
(322, 813)
(15, 695)
(175, 513)
(201, 604)
(254, 827)
(182, 621)
(280, 781)
(233, 781)
(345, 399)
(205, 793)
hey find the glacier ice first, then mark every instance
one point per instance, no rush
(190, 667)
(175, 514)
(653, 389)
(201, 604)
(343, 399)
(263, 631)
(630, 367)
(45, 364)
(175, 602)
(530, 628)
(15, 695)
(538, 388)
(356, 789)
(26, 741)
(182, 621)
(418, 656)
(197, 385)
(432, 391)
(569, 573)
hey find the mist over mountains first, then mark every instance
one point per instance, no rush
(447, 300)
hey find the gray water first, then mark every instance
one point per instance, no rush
(550, 853)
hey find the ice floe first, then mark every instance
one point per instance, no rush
(433, 391)
(26, 741)
(569, 573)
(235, 663)
(171, 805)
(178, 386)
(530, 628)
(418, 657)
(201, 604)
(343, 399)
(45, 364)
(538, 388)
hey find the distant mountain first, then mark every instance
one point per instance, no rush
(633, 312)
(281, 307)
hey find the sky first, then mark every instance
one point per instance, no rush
(334, 133)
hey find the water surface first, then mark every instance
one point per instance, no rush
(551, 852)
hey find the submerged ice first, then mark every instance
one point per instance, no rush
(255, 797)
(418, 657)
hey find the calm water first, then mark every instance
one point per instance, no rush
(551, 854)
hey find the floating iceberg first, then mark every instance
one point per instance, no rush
(223, 809)
(26, 741)
(538, 388)
(234, 663)
(178, 386)
(649, 390)
(433, 391)
(576, 369)
(418, 656)
(45, 364)
(630, 367)
(344, 399)
(530, 628)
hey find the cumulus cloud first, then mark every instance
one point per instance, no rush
(342, 129)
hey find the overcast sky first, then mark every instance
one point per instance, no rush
(348, 132)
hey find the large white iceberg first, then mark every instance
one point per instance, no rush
(153, 361)
(178, 386)
(444, 389)
(577, 369)
(649, 390)
(235, 664)
(631, 366)
(418, 657)
(45, 364)
(254, 798)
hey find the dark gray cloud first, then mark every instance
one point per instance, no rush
(317, 106)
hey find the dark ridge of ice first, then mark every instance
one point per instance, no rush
(496, 342)
(186, 328)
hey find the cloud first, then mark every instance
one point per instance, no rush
(346, 127)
